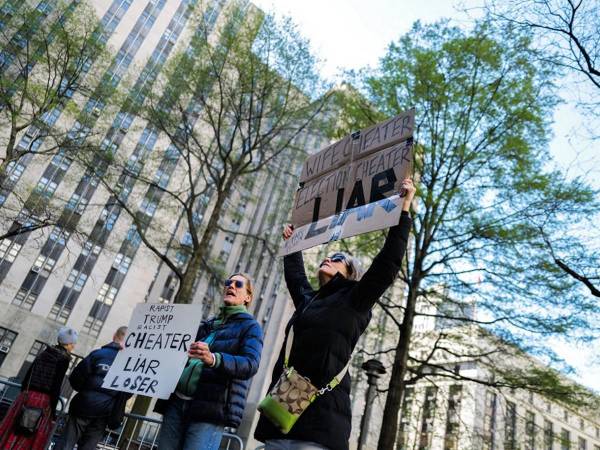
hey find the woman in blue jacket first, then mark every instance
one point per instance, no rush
(211, 393)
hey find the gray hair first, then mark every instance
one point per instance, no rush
(355, 270)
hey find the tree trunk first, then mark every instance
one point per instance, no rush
(9, 154)
(389, 425)
(186, 286)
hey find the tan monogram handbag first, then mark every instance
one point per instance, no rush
(292, 393)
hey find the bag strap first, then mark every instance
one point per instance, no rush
(333, 383)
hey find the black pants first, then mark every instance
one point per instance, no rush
(84, 432)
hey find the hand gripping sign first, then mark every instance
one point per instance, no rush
(352, 186)
(156, 346)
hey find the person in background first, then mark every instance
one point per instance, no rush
(211, 393)
(29, 423)
(327, 324)
(93, 408)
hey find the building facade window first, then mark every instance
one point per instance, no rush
(489, 421)
(582, 444)
(25, 298)
(405, 417)
(530, 430)
(100, 309)
(122, 263)
(453, 418)
(7, 338)
(9, 250)
(43, 265)
(510, 427)
(429, 408)
(565, 439)
(548, 435)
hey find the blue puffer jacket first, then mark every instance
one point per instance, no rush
(220, 395)
(92, 400)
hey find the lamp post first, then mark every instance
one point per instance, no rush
(374, 369)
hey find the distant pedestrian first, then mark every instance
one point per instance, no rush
(320, 338)
(94, 408)
(211, 393)
(29, 423)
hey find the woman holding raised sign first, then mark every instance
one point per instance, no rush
(308, 405)
(211, 393)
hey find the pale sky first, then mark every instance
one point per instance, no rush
(351, 34)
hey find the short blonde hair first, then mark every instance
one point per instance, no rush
(249, 283)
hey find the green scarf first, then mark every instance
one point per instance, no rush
(191, 374)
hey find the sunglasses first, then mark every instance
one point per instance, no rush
(337, 257)
(235, 283)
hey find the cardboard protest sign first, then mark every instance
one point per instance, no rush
(383, 213)
(156, 347)
(363, 143)
(360, 169)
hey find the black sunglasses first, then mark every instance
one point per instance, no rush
(236, 283)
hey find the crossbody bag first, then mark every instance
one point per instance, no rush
(29, 417)
(293, 393)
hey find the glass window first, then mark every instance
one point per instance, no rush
(15, 171)
(529, 430)
(60, 236)
(61, 161)
(428, 412)
(25, 299)
(76, 280)
(565, 439)
(9, 250)
(510, 426)
(46, 186)
(122, 263)
(7, 338)
(548, 435)
(89, 247)
(43, 265)
(453, 418)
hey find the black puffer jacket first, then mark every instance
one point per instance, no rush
(326, 331)
(220, 395)
(47, 372)
(92, 400)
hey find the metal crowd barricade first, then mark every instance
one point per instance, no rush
(143, 435)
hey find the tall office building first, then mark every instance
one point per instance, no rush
(51, 277)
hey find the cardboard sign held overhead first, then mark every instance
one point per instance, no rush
(156, 346)
(360, 169)
(359, 145)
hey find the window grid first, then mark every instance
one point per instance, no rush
(25, 299)
(9, 250)
(43, 265)
(7, 338)
(95, 320)
(510, 426)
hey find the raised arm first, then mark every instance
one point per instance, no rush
(295, 275)
(387, 263)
